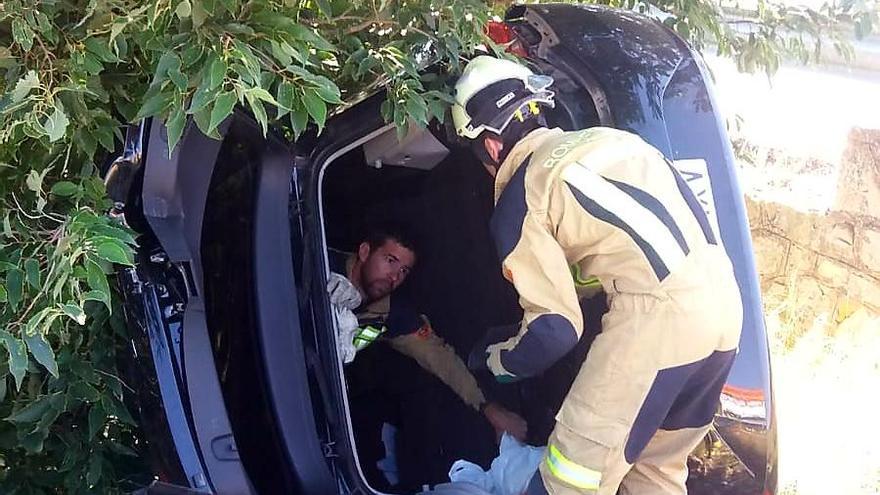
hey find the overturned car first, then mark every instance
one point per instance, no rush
(240, 387)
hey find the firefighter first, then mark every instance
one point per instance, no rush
(602, 204)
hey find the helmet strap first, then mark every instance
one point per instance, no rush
(516, 131)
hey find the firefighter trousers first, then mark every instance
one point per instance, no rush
(647, 391)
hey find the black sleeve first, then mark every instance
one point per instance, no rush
(403, 318)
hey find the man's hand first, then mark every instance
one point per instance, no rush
(504, 420)
(342, 292)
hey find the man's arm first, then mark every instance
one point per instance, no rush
(552, 320)
(441, 360)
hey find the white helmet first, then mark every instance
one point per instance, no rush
(492, 91)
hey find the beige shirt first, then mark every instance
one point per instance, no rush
(429, 350)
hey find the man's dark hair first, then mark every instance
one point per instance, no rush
(399, 232)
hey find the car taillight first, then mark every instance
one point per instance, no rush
(502, 34)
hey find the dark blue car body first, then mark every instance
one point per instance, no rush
(231, 330)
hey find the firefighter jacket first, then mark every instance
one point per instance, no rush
(598, 204)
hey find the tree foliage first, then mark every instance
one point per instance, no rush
(75, 71)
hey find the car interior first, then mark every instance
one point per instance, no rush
(253, 397)
(399, 411)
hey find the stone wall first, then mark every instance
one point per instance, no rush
(824, 265)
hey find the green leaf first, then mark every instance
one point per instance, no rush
(97, 416)
(286, 95)
(417, 109)
(299, 118)
(34, 181)
(32, 269)
(183, 10)
(324, 5)
(328, 91)
(683, 29)
(3, 296)
(365, 66)
(32, 412)
(116, 408)
(168, 62)
(7, 225)
(238, 28)
(115, 232)
(56, 124)
(114, 252)
(18, 361)
(259, 111)
(216, 72)
(3, 388)
(34, 321)
(64, 188)
(202, 118)
(316, 108)
(14, 279)
(293, 53)
(43, 23)
(74, 312)
(96, 295)
(24, 86)
(199, 15)
(42, 352)
(438, 110)
(308, 35)
(280, 54)
(223, 106)
(96, 461)
(105, 137)
(101, 49)
(177, 77)
(85, 392)
(244, 73)
(262, 94)
(175, 126)
(122, 449)
(154, 105)
(98, 282)
(92, 64)
(22, 34)
(201, 99)
(55, 410)
(33, 441)
(190, 56)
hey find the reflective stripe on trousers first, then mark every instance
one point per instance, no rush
(571, 472)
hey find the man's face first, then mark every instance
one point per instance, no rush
(384, 268)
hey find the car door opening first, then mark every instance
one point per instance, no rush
(409, 426)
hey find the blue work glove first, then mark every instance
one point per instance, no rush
(477, 359)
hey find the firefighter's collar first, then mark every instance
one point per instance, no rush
(519, 153)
